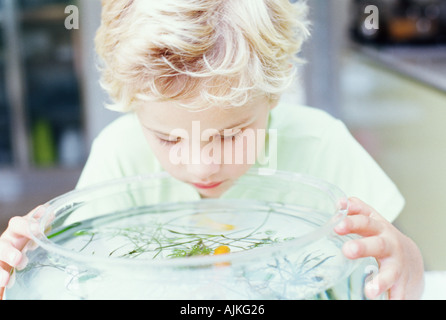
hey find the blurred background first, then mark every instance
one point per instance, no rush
(388, 85)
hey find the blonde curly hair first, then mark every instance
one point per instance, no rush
(202, 52)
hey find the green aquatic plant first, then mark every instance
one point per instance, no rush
(199, 249)
(167, 239)
(162, 242)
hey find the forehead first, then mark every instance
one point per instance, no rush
(169, 115)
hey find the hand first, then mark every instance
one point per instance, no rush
(12, 242)
(401, 270)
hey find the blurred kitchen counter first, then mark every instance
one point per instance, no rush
(426, 64)
(400, 121)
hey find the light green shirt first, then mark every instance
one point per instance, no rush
(309, 141)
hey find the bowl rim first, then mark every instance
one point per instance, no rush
(41, 239)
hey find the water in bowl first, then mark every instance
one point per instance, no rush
(169, 252)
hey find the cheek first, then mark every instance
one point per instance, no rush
(245, 148)
(161, 152)
(241, 160)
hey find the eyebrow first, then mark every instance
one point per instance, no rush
(157, 132)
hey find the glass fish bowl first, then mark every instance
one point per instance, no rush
(270, 236)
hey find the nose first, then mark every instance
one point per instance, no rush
(209, 160)
(203, 172)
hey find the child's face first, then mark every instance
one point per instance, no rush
(204, 148)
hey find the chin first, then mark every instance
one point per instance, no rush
(210, 194)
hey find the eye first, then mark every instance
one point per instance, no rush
(167, 142)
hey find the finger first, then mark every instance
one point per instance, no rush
(37, 212)
(9, 254)
(18, 232)
(4, 277)
(357, 206)
(375, 246)
(384, 281)
(19, 229)
(359, 224)
(342, 204)
(5, 270)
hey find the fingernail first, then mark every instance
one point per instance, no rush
(34, 227)
(340, 228)
(353, 248)
(23, 263)
(372, 290)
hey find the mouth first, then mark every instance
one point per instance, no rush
(207, 185)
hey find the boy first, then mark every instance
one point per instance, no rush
(222, 65)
